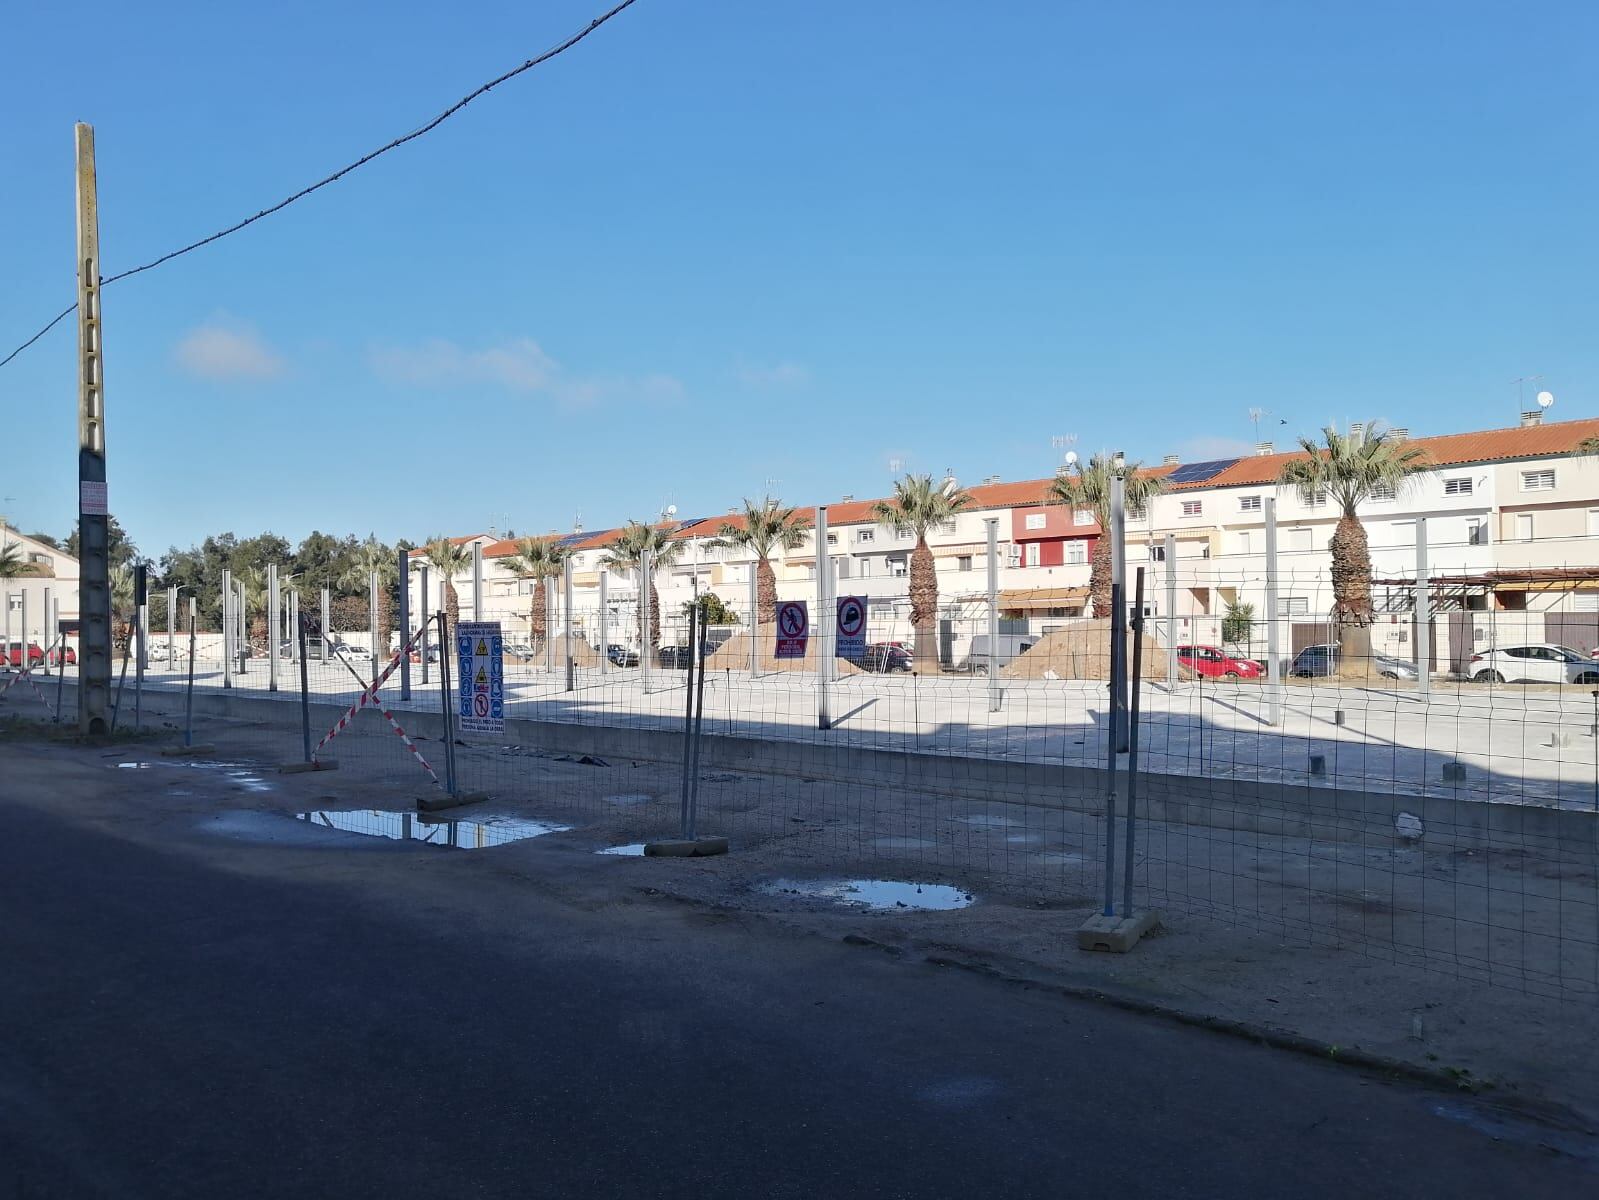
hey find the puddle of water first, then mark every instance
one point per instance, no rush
(904, 843)
(629, 798)
(134, 766)
(631, 849)
(412, 827)
(1505, 1126)
(1024, 839)
(986, 822)
(1063, 858)
(878, 894)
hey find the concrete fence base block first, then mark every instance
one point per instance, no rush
(1339, 716)
(187, 751)
(692, 848)
(1116, 935)
(1558, 740)
(1454, 772)
(1318, 764)
(444, 800)
(297, 768)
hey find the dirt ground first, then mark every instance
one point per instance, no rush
(1353, 949)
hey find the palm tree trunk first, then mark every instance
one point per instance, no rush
(1351, 580)
(766, 591)
(924, 605)
(452, 605)
(540, 618)
(655, 617)
(1100, 571)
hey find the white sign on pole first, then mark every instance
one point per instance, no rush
(851, 628)
(480, 651)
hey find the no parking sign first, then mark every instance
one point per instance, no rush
(851, 627)
(793, 628)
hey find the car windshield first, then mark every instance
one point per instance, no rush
(1571, 655)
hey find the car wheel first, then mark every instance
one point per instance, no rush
(1488, 677)
(1390, 674)
(1588, 677)
(979, 668)
(1231, 676)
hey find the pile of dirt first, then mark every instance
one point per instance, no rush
(1079, 652)
(735, 654)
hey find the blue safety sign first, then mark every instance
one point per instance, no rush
(480, 651)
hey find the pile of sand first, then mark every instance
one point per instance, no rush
(735, 654)
(1080, 652)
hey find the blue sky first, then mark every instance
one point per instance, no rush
(724, 243)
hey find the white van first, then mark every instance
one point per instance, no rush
(1011, 646)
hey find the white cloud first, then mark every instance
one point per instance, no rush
(519, 365)
(220, 350)
(776, 375)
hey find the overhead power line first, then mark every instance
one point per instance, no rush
(559, 48)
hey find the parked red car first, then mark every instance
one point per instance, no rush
(1214, 663)
(69, 652)
(14, 654)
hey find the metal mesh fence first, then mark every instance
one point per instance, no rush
(1441, 815)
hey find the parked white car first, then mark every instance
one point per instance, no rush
(1537, 662)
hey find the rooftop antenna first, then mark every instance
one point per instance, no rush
(1063, 441)
(1521, 393)
(577, 520)
(1255, 414)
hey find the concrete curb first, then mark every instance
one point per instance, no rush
(444, 801)
(297, 768)
(701, 847)
(187, 751)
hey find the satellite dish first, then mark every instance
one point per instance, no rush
(1545, 399)
(1071, 458)
(671, 510)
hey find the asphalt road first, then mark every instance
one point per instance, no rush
(187, 1015)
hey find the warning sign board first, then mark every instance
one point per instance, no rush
(793, 628)
(480, 652)
(851, 627)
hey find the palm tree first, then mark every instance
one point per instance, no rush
(1350, 468)
(1588, 447)
(919, 505)
(765, 527)
(1089, 488)
(122, 608)
(253, 581)
(538, 559)
(12, 564)
(627, 554)
(449, 560)
(372, 555)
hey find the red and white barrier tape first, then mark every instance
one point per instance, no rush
(370, 696)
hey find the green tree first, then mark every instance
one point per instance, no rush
(120, 547)
(627, 554)
(539, 559)
(12, 564)
(1349, 468)
(122, 608)
(1588, 447)
(1089, 488)
(372, 555)
(713, 610)
(1238, 623)
(761, 529)
(449, 560)
(47, 540)
(917, 506)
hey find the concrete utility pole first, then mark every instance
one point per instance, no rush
(94, 560)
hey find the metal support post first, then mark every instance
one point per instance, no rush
(549, 628)
(427, 623)
(49, 636)
(755, 619)
(188, 699)
(274, 623)
(993, 612)
(227, 628)
(820, 623)
(22, 646)
(1274, 666)
(477, 581)
(372, 618)
(645, 573)
(1423, 635)
(1132, 743)
(605, 623)
(94, 558)
(1171, 612)
(61, 668)
(696, 658)
(141, 609)
(405, 624)
(241, 613)
(688, 718)
(305, 687)
(172, 626)
(7, 663)
(327, 626)
(444, 702)
(566, 605)
(1118, 612)
(1118, 575)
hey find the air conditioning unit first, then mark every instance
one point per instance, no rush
(1013, 555)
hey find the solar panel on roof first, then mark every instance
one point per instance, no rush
(681, 525)
(1200, 471)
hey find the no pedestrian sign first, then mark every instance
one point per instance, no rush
(480, 652)
(793, 629)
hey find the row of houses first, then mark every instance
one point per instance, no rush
(1511, 519)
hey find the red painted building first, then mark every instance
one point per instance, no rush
(1052, 535)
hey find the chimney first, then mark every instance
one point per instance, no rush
(1171, 460)
(1263, 448)
(1529, 419)
(846, 499)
